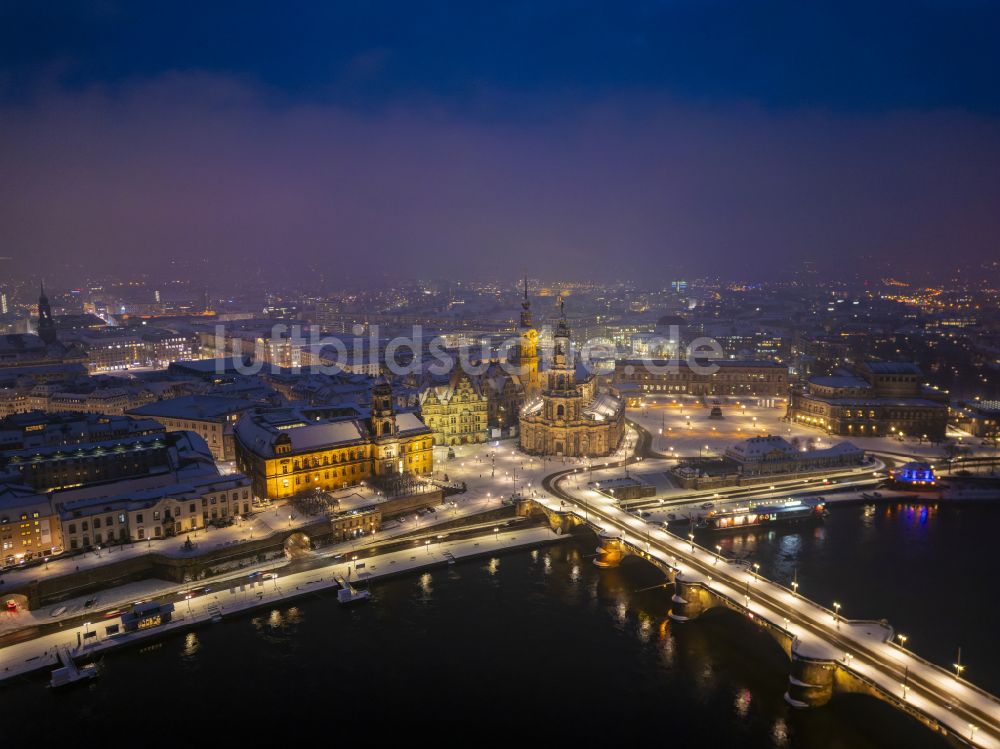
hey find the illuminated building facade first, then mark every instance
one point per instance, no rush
(980, 418)
(288, 451)
(29, 528)
(717, 377)
(882, 399)
(455, 411)
(571, 418)
(526, 354)
(134, 512)
(915, 474)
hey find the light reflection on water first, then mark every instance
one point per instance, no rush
(879, 561)
(779, 733)
(426, 588)
(742, 704)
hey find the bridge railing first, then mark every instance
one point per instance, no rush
(880, 622)
(902, 704)
(964, 682)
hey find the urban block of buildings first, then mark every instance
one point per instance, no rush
(211, 416)
(80, 495)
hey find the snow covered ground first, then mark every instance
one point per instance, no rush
(682, 427)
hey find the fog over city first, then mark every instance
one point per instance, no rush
(368, 148)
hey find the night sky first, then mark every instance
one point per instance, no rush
(576, 140)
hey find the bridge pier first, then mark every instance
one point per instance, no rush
(688, 601)
(811, 682)
(611, 551)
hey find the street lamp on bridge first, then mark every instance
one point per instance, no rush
(836, 615)
(902, 641)
(718, 553)
(959, 668)
(691, 539)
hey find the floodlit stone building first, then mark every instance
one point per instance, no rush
(570, 417)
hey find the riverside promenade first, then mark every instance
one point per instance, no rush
(260, 590)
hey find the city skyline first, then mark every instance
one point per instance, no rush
(555, 369)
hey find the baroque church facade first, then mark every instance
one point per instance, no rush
(569, 417)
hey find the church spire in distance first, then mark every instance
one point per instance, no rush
(46, 325)
(526, 321)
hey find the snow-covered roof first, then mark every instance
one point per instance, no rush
(408, 422)
(259, 431)
(774, 447)
(132, 498)
(194, 407)
(315, 436)
(892, 367)
(755, 448)
(841, 381)
(604, 406)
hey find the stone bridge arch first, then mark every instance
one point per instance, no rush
(691, 599)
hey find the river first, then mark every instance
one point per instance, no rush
(542, 645)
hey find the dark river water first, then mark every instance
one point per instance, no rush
(542, 646)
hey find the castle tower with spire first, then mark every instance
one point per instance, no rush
(46, 325)
(526, 354)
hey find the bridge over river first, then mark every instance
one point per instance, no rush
(828, 653)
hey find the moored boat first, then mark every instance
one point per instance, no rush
(780, 513)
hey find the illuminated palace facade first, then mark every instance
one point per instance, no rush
(456, 411)
(880, 399)
(288, 451)
(571, 418)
